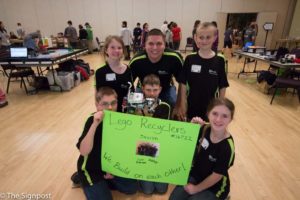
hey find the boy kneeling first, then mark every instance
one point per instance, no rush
(91, 176)
(151, 89)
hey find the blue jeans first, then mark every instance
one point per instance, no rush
(169, 96)
(124, 185)
(98, 191)
(180, 194)
(148, 187)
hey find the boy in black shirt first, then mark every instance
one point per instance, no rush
(203, 77)
(151, 89)
(91, 176)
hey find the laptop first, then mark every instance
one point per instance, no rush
(18, 52)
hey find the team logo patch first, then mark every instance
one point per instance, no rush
(213, 72)
(196, 68)
(124, 86)
(211, 158)
(161, 72)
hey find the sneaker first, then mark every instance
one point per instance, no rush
(75, 179)
(3, 104)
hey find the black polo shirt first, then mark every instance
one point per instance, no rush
(214, 157)
(119, 82)
(89, 167)
(204, 78)
(169, 65)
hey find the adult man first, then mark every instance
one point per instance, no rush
(71, 34)
(20, 31)
(164, 27)
(250, 34)
(4, 37)
(127, 39)
(156, 59)
(31, 40)
(89, 31)
(137, 33)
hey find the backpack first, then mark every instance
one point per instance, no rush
(266, 76)
(83, 73)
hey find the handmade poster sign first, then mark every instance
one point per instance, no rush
(148, 148)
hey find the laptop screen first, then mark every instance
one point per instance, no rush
(20, 52)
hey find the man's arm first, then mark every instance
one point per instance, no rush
(222, 92)
(181, 103)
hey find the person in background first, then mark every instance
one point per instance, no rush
(60, 40)
(12, 35)
(204, 74)
(71, 35)
(82, 36)
(169, 37)
(31, 40)
(228, 40)
(214, 155)
(90, 37)
(196, 24)
(126, 36)
(176, 36)
(164, 27)
(250, 35)
(20, 31)
(216, 42)
(144, 34)
(137, 34)
(4, 37)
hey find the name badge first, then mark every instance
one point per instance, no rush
(205, 143)
(196, 68)
(110, 77)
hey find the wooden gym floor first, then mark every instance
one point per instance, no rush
(38, 134)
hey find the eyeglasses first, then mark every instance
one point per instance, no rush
(107, 104)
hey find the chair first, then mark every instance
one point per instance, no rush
(281, 82)
(18, 72)
(189, 43)
(100, 44)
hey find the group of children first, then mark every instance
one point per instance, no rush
(201, 99)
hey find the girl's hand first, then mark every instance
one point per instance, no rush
(108, 176)
(191, 189)
(198, 120)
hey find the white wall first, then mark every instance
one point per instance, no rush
(295, 27)
(50, 16)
